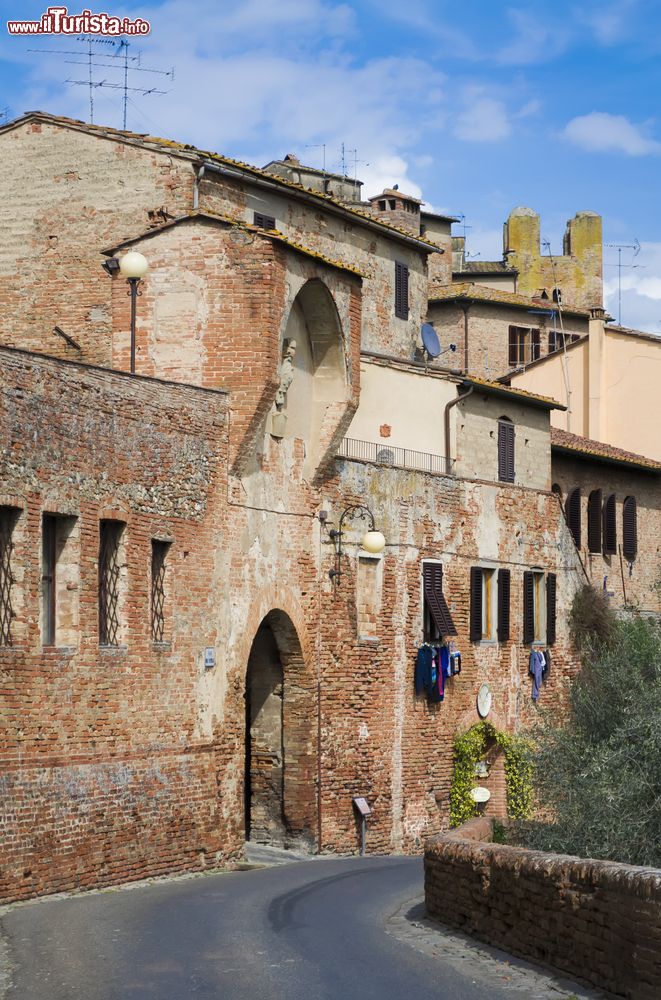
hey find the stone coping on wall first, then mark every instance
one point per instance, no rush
(599, 921)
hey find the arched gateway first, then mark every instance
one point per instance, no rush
(281, 738)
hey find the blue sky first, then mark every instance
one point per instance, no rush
(476, 107)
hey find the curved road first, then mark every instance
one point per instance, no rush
(313, 930)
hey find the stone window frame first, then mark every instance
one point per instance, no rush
(60, 579)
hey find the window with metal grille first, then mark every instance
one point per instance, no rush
(110, 534)
(437, 619)
(401, 290)
(48, 579)
(594, 521)
(264, 221)
(629, 529)
(159, 552)
(8, 517)
(573, 514)
(609, 526)
(524, 346)
(505, 450)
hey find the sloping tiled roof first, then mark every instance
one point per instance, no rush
(270, 234)
(486, 267)
(522, 395)
(566, 441)
(193, 152)
(472, 292)
(627, 331)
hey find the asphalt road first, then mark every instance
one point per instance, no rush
(313, 930)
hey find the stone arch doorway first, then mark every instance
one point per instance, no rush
(280, 738)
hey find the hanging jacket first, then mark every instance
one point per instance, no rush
(536, 669)
(423, 667)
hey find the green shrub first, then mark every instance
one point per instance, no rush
(591, 619)
(469, 748)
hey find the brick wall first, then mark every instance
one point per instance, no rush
(596, 920)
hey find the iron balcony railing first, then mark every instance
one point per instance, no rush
(379, 453)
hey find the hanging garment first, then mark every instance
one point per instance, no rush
(536, 669)
(455, 663)
(547, 666)
(423, 667)
(445, 662)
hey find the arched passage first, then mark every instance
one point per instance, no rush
(280, 739)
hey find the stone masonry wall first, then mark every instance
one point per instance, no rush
(596, 920)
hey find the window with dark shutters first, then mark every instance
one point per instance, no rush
(573, 514)
(503, 605)
(528, 607)
(551, 585)
(264, 221)
(609, 526)
(629, 529)
(505, 450)
(536, 348)
(401, 290)
(513, 346)
(476, 604)
(594, 521)
(432, 576)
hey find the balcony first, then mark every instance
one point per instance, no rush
(380, 453)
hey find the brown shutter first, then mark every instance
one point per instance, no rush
(536, 350)
(476, 604)
(513, 347)
(506, 451)
(573, 514)
(610, 526)
(401, 290)
(528, 607)
(432, 576)
(594, 521)
(503, 605)
(629, 529)
(551, 585)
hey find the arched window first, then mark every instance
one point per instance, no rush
(629, 529)
(594, 521)
(505, 450)
(573, 514)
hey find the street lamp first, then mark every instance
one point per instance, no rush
(373, 541)
(134, 267)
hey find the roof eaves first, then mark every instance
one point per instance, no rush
(521, 395)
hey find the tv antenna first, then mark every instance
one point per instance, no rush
(635, 246)
(318, 145)
(5, 115)
(117, 51)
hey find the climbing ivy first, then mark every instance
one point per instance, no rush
(469, 748)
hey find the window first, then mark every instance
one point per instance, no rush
(264, 221)
(557, 295)
(609, 526)
(539, 607)
(573, 514)
(382, 206)
(490, 605)
(8, 517)
(159, 552)
(629, 529)
(505, 450)
(558, 340)
(594, 521)
(59, 580)
(401, 290)
(110, 535)
(524, 346)
(437, 620)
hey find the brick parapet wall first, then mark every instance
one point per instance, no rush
(597, 920)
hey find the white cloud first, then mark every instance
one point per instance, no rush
(536, 39)
(609, 23)
(600, 132)
(483, 120)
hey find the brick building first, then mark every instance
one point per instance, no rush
(181, 670)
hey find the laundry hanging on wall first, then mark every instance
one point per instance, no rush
(539, 667)
(434, 665)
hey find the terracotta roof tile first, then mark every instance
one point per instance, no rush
(566, 441)
(474, 292)
(506, 390)
(486, 267)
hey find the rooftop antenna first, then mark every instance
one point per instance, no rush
(117, 50)
(635, 246)
(356, 161)
(318, 145)
(5, 115)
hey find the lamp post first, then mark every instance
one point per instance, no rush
(373, 540)
(134, 267)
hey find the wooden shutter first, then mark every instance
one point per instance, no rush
(503, 605)
(506, 451)
(551, 585)
(476, 604)
(629, 529)
(514, 347)
(528, 607)
(594, 521)
(536, 349)
(573, 514)
(401, 290)
(432, 576)
(609, 526)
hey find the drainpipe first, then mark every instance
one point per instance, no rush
(448, 407)
(196, 189)
(465, 306)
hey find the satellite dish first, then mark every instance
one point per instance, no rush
(430, 340)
